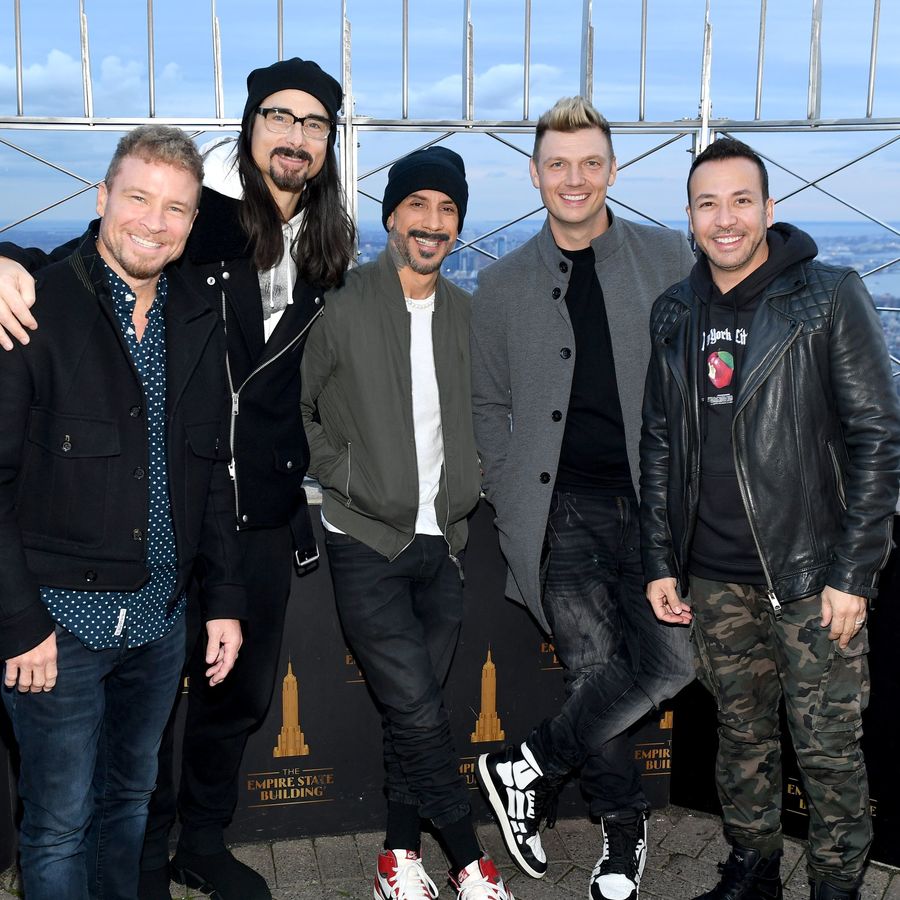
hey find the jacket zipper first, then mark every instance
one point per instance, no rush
(771, 596)
(839, 481)
(347, 488)
(236, 396)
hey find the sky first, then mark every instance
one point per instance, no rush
(498, 175)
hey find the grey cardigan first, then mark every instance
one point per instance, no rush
(523, 356)
(357, 410)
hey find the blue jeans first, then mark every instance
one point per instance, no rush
(402, 621)
(88, 765)
(620, 661)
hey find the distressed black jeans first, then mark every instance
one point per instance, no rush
(402, 619)
(620, 661)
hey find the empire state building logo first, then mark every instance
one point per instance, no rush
(290, 740)
(487, 728)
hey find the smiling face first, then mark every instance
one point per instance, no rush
(573, 171)
(146, 216)
(729, 218)
(288, 161)
(423, 230)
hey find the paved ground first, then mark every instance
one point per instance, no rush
(685, 848)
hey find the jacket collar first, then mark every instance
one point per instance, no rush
(390, 290)
(217, 233)
(604, 245)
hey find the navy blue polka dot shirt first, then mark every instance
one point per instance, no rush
(105, 619)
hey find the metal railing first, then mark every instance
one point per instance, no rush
(698, 126)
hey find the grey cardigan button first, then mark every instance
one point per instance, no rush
(555, 293)
(565, 353)
(545, 477)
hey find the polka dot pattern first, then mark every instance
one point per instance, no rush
(105, 619)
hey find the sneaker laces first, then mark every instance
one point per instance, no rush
(546, 800)
(481, 889)
(620, 840)
(411, 882)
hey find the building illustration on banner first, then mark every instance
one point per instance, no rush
(291, 741)
(488, 727)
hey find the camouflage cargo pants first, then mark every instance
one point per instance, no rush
(748, 660)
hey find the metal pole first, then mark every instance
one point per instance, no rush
(643, 75)
(280, 29)
(349, 157)
(87, 87)
(217, 62)
(873, 59)
(760, 59)
(468, 97)
(151, 60)
(18, 26)
(587, 51)
(526, 64)
(703, 136)
(404, 79)
(814, 106)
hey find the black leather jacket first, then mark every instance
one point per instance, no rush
(816, 435)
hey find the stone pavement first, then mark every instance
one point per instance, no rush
(684, 850)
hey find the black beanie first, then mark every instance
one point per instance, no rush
(431, 169)
(293, 74)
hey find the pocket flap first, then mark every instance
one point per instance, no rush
(74, 437)
(204, 440)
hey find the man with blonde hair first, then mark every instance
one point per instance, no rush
(559, 349)
(113, 481)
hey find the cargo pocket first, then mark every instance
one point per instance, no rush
(843, 691)
(702, 665)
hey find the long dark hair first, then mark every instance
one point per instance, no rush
(324, 244)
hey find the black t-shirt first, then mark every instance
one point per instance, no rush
(723, 547)
(593, 456)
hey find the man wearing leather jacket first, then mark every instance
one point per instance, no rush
(769, 477)
(270, 237)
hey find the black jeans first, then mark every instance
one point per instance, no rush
(620, 660)
(402, 620)
(220, 719)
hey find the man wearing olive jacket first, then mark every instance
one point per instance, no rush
(770, 463)
(387, 410)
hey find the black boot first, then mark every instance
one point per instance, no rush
(220, 875)
(746, 875)
(827, 891)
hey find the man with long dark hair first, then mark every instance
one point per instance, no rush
(271, 236)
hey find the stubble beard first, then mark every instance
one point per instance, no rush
(402, 256)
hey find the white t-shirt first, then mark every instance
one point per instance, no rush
(426, 415)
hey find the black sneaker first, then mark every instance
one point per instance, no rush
(521, 797)
(747, 875)
(617, 874)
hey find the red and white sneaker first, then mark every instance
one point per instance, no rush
(401, 876)
(480, 880)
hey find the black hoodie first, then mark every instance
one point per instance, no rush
(723, 548)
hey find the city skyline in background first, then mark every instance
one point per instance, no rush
(498, 174)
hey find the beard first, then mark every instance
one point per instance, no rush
(402, 254)
(131, 264)
(289, 180)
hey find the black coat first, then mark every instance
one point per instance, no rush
(268, 443)
(816, 434)
(72, 513)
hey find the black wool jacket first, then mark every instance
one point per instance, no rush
(73, 514)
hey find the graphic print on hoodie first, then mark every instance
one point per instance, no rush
(723, 547)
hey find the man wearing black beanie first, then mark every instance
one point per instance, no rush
(270, 238)
(387, 409)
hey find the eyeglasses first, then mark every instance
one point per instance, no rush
(281, 121)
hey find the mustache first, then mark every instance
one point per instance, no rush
(294, 153)
(428, 235)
